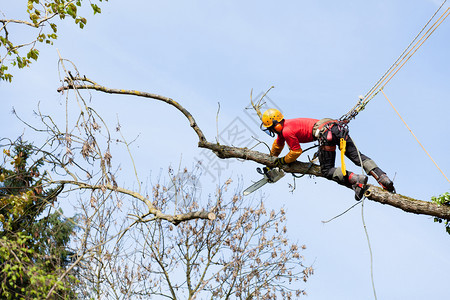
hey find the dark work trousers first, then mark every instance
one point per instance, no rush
(327, 155)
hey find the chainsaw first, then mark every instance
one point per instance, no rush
(270, 176)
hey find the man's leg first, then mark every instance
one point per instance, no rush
(327, 157)
(369, 166)
(357, 157)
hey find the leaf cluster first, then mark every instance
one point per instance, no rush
(41, 16)
(443, 199)
(27, 274)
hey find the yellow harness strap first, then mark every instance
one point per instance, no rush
(343, 144)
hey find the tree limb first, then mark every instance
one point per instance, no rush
(74, 84)
(174, 219)
(222, 151)
(373, 193)
(6, 21)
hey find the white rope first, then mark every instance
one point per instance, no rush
(399, 63)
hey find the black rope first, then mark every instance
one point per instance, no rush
(311, 164)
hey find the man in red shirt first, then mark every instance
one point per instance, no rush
(328, 132)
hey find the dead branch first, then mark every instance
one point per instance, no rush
(79, 83)
(222, 151)
(257, 106)
(174, 219)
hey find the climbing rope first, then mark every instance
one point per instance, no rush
(311, 162)
(414, 135)
(364, 226)
(366, 231)
(398, 64)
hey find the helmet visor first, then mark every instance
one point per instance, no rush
(267, 130)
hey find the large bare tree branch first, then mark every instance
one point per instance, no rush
(174, 219)
(373, 192)
(222, 151)
(77, 83)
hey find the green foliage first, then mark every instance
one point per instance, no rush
(41, 15)
(96, 8)
(33, 240)
(443, 199)
(25, 273)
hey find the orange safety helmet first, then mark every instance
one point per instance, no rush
(272, 118)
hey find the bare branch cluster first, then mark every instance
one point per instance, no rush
(80, 153)
(243, 254)
(257, 106)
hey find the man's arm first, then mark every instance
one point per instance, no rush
(295, 149)
(292, 155)
(277, 147)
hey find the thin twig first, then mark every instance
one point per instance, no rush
(217, 122)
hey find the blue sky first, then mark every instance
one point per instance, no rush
(320, 56)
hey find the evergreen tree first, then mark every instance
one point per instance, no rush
(34, 238)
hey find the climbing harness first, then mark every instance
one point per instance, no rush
(324, 135)
(322, 132)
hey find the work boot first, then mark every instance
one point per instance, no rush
(358, 183)
(359, 189)
(356, 178)
(386, 183)
(383, 179)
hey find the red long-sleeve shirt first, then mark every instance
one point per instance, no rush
(295, 131)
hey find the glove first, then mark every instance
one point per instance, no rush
(280, 161)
